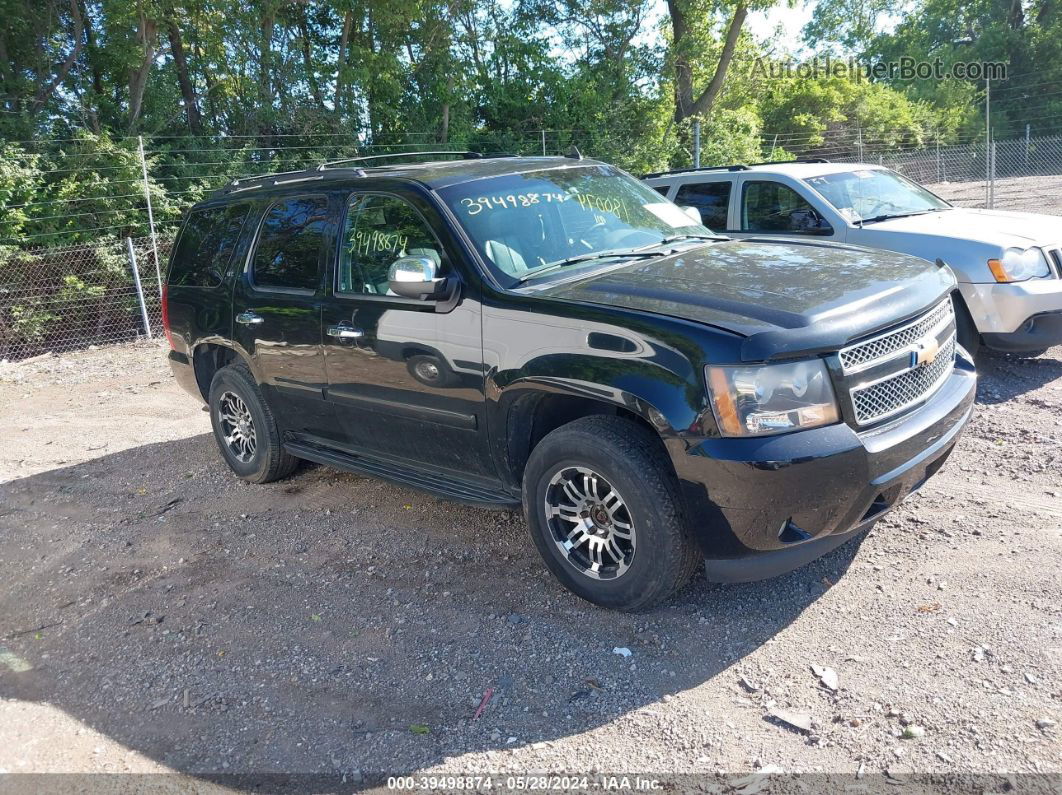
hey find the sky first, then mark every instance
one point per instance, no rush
(782, 25)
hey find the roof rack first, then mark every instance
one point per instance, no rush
(276, 176)
(734, 166)
(467, 155)
(798, 160)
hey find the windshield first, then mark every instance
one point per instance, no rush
(523, 223)
(875, 193)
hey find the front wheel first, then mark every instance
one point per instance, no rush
(604, 512)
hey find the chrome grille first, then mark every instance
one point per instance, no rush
(892, 395)
(864, 354)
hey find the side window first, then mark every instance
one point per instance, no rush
(379, 230)
(712, 199)
(661, 189)
(290, 244)
(773, 207)
(205, 248)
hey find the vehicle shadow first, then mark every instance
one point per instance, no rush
(1004, 376)
(329, 623)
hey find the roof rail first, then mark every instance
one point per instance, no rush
(467, 155)
(735, 166)
(276, 176)
(798, 160)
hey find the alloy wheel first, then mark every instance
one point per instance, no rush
(237, 427)
(590, 523)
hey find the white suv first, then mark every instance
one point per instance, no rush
(1008, 264)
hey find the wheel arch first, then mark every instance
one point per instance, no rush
(210, 356)
(528, 411)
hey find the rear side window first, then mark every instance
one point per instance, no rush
(291, 243)
(205, 248)
(710, 198)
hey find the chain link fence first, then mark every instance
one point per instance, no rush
(62, 297)
(55, 299)
(1016, 174)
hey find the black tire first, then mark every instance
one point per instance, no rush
(965, 330)
(632, 462)
(269, 461)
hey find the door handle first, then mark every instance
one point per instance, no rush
(345, 331)
(249, 319)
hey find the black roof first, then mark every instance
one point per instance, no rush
(433, 174)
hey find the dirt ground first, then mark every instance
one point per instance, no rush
(1034, 194)
(156, 614)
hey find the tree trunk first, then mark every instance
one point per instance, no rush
(45, 92)
(180, 63)
(307, 60)
(685, 105)
(341, 60)
(147, 36)
(91, 53)
(444, 134)
(265, 69)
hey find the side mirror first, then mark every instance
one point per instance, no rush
(415, 277)
(692, 212)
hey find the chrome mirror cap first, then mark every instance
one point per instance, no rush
(412, 270)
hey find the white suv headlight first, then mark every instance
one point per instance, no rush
(1018, 265)
(760, 400)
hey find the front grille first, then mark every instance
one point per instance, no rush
(892, 395)
(864, 354)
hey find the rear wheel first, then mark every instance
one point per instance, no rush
(603, 508)
(244, 427)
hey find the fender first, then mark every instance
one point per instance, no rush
(667, 401)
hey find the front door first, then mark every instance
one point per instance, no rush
(277, 310)
(769, 208)
(406, 380)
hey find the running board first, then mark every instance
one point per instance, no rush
(451, 488)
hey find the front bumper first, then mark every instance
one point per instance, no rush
(760, 507)
(1017, 316)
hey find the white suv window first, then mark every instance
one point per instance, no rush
(712, 200)
(773, 207)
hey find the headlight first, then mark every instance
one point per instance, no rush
(1018, 265)
(773, 398)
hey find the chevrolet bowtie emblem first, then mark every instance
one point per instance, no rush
(926, 350)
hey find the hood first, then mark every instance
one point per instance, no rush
(787, 297)
(992, 227)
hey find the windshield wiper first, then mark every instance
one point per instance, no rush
(691, 236)
(889, 216)
(638, 252)
(589, 257)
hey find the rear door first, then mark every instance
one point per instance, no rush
(277, 309)
(405, 379)
(712, 200)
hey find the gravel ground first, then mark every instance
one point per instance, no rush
(158, 614)
(1039, 194)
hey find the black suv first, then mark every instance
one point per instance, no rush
(552, 332)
